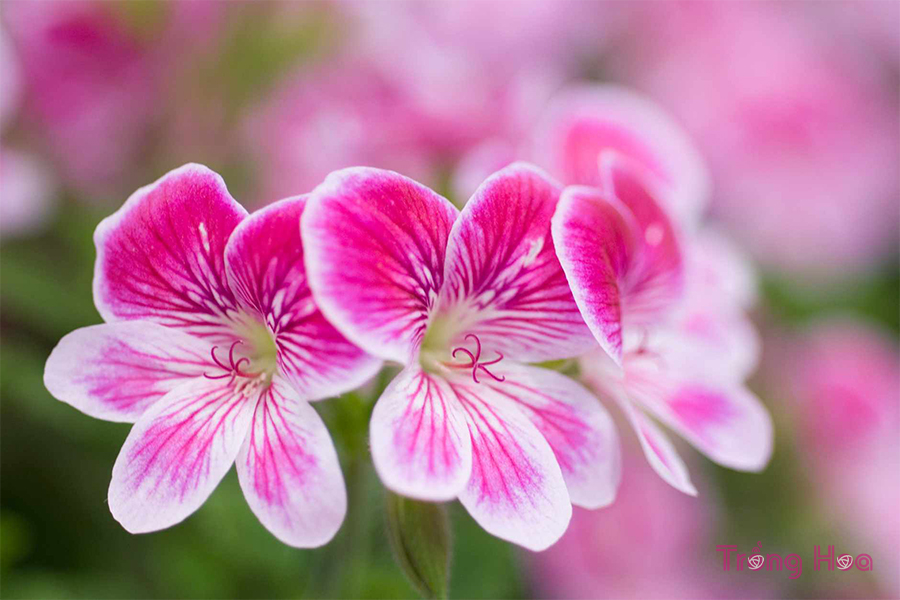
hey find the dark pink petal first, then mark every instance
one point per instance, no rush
(596, 245)
(655, 277)
(420, 443)
(660, 452)
(516, 491)
(116, 370)
(177, 453)
(289, 470)
(375, 243)
(724, 421)
(161, 256)
(584, 122)
(575, 424)
(264, 262)
(503, 281)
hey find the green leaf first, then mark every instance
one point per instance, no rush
(420, 537)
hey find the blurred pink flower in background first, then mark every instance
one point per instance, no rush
(608, 553)
(652, 543)
(801, 132)
(842, 378)
(415, 88)
(26, 191)
(337, 114)
(90, 87)
(95, 84)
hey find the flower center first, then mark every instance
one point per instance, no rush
(441, 349)
(233, 369)
(251, 359)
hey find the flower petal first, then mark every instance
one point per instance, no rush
(115, 371)
(375, 244)
(575, 424)
(719, 345)
(177, 453)
(420, 443)
(660, 452)
(725, 422)
(503, 281)
(161, 256)
(289, 470)
(595, 242)
(264, 263)
(655, 278)
(584, 121)
(516, 491)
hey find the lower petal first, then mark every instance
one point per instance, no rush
(516, 491)
(177, 453)
(420, 443)
(727, 423)
(660, 452)
(115, 371)
(289, 470)
(577, 427)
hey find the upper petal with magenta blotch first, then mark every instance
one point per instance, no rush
(161, 256)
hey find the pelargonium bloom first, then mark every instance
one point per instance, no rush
(463, 301)
(671, 348)
(213, 347)
(583, 122)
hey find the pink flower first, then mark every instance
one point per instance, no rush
(96, 84)
(26, 193)
(26, 188)
(332, 116)
(581, 123)
(213, 347)
(462, 300)
(603, 554)
(799, 125)
(675, 343)
(842, 379)
(652, 543)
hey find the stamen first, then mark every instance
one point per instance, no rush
(233, 369)
(215, 358)
(474, 363)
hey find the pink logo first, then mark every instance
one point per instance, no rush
(755, 561)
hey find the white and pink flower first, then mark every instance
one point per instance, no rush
(668, 318)
(213, 347)
(463, 301)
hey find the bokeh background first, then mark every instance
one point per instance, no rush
(794, 104)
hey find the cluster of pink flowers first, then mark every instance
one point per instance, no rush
(221, 328)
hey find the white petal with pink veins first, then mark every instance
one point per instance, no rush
(660, 452)
(517, 491)
(727, 423)
(289, 470)
(115, 371)
(575, 424)
(420, 443)
(177, 453)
